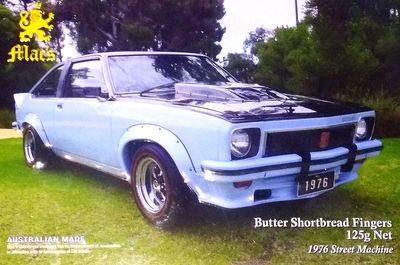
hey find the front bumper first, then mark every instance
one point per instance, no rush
(279, 174)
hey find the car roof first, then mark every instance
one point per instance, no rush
(121, 53)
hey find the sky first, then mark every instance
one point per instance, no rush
(242, 16)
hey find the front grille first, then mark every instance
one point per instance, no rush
(280, 143)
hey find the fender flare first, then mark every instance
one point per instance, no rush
(161, 136)
(36, 123)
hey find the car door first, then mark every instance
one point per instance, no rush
(82, 117)
(44, 98)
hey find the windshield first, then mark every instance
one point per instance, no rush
(137, 73)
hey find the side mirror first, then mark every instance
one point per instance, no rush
(95, 92)
(92, 92)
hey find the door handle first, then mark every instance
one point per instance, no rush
(59, 106)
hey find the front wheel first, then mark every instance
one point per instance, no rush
(156, 186)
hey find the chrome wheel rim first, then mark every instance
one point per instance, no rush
(30, 147)
(150, 185)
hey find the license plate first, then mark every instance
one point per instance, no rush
(315, 183)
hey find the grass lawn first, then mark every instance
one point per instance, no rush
(73, 200)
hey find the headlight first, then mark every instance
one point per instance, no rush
(361, 130)
(240, 143)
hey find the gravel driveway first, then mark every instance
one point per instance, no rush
(9, 133)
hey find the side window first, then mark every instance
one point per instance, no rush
(85, 79)
(48, 87)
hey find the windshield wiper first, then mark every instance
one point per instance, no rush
(167, 85)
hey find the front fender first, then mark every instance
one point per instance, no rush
(34, 121)
(161, 136)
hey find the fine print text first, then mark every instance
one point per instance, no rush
(69, 244)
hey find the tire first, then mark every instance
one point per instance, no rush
(35, 153)
(156, 185)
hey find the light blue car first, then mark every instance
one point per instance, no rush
(174, 123)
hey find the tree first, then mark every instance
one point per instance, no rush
(359, 43)
(20, 4)
(349, 47)
(256, 38)
(288, 60)
(241, 66)
(173, 25)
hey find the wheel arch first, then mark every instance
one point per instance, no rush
(138, 135)
(34, 121)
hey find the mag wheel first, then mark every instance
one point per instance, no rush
(156, 184)
(35, 153)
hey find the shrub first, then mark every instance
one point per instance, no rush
(387, 109)
(6, 118)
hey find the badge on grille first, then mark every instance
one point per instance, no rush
(324, 140)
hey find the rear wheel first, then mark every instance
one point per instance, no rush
(35, 153)
(156, 186)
